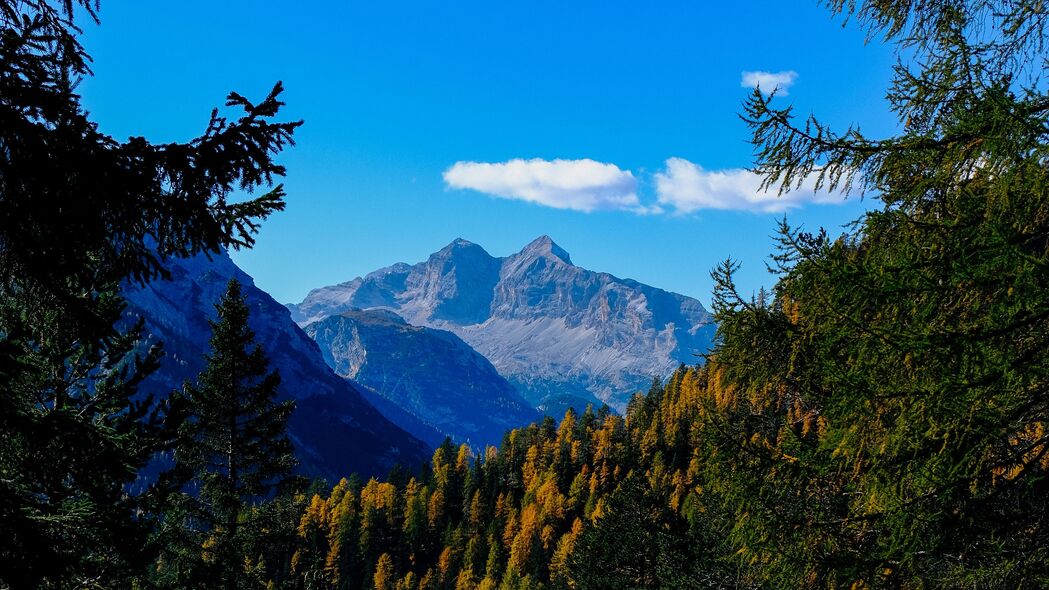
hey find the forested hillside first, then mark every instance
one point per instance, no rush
(703, 484)
(875, 420)
(596, 501)
(878, 419)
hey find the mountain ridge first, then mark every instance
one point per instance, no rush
(550, 327)
(427, 372)
(334, 428)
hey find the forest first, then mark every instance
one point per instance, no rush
(878, 419)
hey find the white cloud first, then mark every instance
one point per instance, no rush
(580, 185)
(769, 81)
(682, 187)
(685, 187)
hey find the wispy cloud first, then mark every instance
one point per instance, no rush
(685, 187)
(580, 185)
(780, 82)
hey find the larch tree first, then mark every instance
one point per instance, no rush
(879, 420)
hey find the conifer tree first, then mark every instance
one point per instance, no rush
(81, 213)
(880, 420)
(384, 574)
(234, 448)
(640, 543)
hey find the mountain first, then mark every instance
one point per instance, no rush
(336, 431)
(430, 373)
(561, 334)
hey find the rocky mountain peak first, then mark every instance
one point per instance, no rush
(461, 249)
(544, 246)
(456, 283)
(553, 329)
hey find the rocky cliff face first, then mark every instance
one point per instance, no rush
(430, 373)
(561, 334)
(335, 430)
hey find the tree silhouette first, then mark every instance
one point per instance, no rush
(233, 448)
(81, 213)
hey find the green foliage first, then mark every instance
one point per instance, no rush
(232, 454)
(80, 214)
(879, 418)
(638, 542)
(71, 438)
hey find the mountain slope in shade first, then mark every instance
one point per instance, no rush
(409, 422)
(335, 430)
(431, 374)
(561, 334)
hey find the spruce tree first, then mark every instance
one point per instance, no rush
(233, 449)
(81, 213)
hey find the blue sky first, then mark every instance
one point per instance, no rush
(618, 120)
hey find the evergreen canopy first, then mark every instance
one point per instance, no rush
(80, 213)
(232, 454)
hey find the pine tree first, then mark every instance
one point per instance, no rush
(234, 446)
(384, 577)
(80, 214)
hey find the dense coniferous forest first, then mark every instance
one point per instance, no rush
(595, 501)
(876, 420)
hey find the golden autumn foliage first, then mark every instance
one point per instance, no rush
(721, 464)
(384, 576)
(509, 519)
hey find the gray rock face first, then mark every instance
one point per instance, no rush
(430, 373)
(553, 329)
(335, 429)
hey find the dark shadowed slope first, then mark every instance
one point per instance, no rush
(335, 430)
(429, 373)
